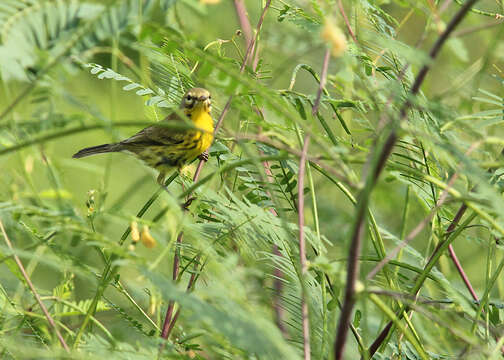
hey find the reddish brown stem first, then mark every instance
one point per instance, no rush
(356, 243)
(189, 288)
(462, 273)
(241, 12)
(168, 317)
(347, 22)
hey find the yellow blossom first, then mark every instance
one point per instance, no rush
(135, 234)
(333, 35)
(147, 239)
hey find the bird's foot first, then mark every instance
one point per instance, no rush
(185, 206)
(204, 156)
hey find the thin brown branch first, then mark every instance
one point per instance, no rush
(302, 249)
(347, 22)
(169, 311)
(48, 316)
(241, 12)
(386, 150)
(462, 273)
(349, 300)
(168, 317)
(189, 288)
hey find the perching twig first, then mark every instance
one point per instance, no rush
(167, 321)
(386, 150)
(48, 316)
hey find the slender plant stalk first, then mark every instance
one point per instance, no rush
(171, 304)
(48, 316)
(385, 152)
(462, 273)
(190, 285)
(302, 251)
(472, 30)
(109, 272)
(122, 290)
(302, 244)
(241, 12)
(347, 23)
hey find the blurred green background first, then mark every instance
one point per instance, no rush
(43, 178)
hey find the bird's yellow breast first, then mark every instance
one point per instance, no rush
(203, 121)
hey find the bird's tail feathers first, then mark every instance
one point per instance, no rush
(99, 149)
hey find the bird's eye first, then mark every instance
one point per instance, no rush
(209, 96)
(188, 97)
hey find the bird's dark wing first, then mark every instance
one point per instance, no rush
(157, 135)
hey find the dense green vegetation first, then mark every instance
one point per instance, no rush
(356, 174)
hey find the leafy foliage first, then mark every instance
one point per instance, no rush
(69, 68)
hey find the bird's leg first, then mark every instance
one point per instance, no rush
(204, 156)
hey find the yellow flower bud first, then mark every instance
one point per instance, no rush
(152, 305)
(135, 234)
(147, 239)
(333, 35)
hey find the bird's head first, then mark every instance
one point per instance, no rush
(196, 99)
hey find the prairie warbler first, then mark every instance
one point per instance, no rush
(164, 148)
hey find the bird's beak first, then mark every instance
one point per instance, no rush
(203, 102)
(206, 102)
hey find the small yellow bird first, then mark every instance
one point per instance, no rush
(164, 148)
